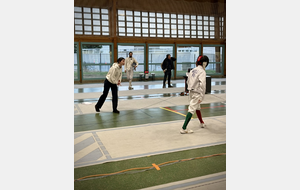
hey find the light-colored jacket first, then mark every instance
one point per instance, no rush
(114, 74)
(197, 81)
(128, 63)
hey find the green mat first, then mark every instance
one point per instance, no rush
(167, 174)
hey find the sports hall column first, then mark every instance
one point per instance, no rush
(175, 64)
(114, 29)
(80, 65)
(146, 61)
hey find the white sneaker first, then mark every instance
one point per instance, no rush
(202, 125)
(186, 131)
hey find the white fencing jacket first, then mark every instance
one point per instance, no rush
(128, 63)
(197, 81)
(114, 74)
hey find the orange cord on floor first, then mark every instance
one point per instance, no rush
(150, 167)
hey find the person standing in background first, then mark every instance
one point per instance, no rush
(167, 66)
(130, 65)
(113, 80)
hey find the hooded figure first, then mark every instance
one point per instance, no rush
(167, 65)
(196, 85)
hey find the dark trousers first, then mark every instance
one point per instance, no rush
(167, 73)
(114, 92)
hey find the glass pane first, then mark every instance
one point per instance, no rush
(157, 54)
(180, 26)
(159, 31)
(187, 27)
(145, 31)
(180, 16)
(129, 30)
(121, 18)
(186, 58)
(211, 18)
(92, 56)
(104, 11)
(166, 26)
(213, 53)
(122, 30)
(96, 28)
(96, 16)
(97, 33)
(137, 13)
(105, 23)
(205, 18)
(152, 25)
(137, 30)
(105, 17)
(87, 15)
(77, 15)
(166, 20)
(129, 18)
(121, 12)
(152, 14)
(144, 19)
(87, 22)
(96, 10)
(86, 10)
(173, 15)
(137, 19)
(180, 21)
(158, 14)
(166, 15)
(152, 31)
(78, 21)
(137, 24)
(77, 32)
(75, 69)
(199, 17)
(193, 17)
(128, 12)
(78, 27)
(87, 28)
(159, 20)
(159, 26)
(145, 25)
(129, 24)
(88, 33)
(77, 9)
(167, 31)
(105, 29)
(152, 19)
(173, 21)
(144, 13)
(96, 22)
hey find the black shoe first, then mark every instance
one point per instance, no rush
(97, 109)
(116, 111)
(164, 86)
(170, 86)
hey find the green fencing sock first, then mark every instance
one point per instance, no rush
(187, 120)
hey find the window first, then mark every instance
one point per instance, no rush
(91, 21)
(156, 55)
(96, 60)
(215, 55)
(150, 24)
(138, 54)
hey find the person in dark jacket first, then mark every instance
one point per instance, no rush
(167, 66)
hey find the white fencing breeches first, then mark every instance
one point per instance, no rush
(129, 74)
(194, 99)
